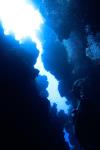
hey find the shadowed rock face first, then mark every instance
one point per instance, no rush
(63, 19)
(88, 116)
(25, 119)
(72, 15)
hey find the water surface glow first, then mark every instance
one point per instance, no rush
(22, 19)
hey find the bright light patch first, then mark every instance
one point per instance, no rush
(22, 19)
(67, 139)
(54, 95)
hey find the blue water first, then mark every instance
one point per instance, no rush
(22, 19)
